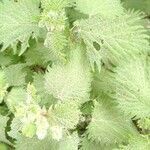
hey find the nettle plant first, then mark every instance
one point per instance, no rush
(74, 74)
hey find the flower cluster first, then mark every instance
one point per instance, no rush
(33, 117)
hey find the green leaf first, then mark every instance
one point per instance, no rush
(68, 143)
(94, 57)
(108, 125)
(87, 108)
(55, 5)
(5, 60)
(15, 128)
(3, 85)
(54, 18)
(102, 83)
(133, 87)
(15, 97)
(34, 143)
(66, 114)
(117, 38)
(87, 144)
(129, 85)
(38, 82)
(3, 110)
(38, 55)
(107, 8)
(70, 81)
(18, 23)
(47, 99)
(3, 124)
(56, 42)
(74, 15)
(15, 74)
(143, 5)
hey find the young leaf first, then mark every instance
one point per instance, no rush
(54, 19)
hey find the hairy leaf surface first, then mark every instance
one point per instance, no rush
(18, 22)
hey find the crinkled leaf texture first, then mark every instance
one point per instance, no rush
(18, 22)
(47, 99)
(38, 55)
(108, 125)
(66, 114)
(118, 38)
(129, 85)
(56, 42)
(70, 81)
(82, 80)
(15, 74)
(132, 82)
(16, 95)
